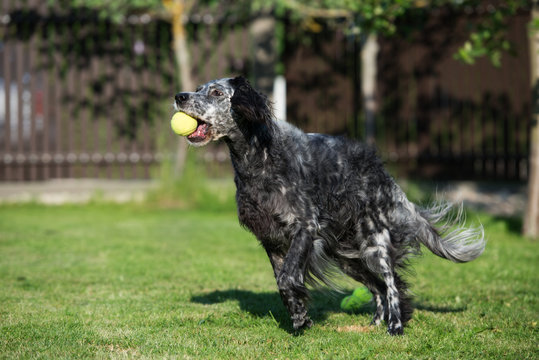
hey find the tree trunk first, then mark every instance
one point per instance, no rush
(531, 216)
(183, 63)
(265, 56)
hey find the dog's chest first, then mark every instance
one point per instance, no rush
(269, 215)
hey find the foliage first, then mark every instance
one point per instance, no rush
(131, 281)
(115, 10)
(534, 25)
(360, 16)
(487, 38)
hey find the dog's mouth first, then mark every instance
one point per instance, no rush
(202, 132)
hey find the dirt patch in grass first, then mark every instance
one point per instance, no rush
(355, 328)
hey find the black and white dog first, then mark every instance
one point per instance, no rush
(319, 203)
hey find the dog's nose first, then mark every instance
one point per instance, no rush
(181, 97)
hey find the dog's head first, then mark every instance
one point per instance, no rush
(224, 108)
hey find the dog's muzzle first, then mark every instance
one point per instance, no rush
(181, 98)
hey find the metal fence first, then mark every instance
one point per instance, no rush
(82, 96)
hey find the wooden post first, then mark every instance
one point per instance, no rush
(531, 216)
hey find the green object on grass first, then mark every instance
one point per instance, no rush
(359, 300)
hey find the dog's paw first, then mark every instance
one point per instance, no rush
(395, 329)
(301, 322)
(377, 318)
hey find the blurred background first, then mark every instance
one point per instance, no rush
(443, 89)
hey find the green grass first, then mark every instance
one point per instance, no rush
(115, 281)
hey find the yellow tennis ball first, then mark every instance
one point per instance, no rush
(183, 124)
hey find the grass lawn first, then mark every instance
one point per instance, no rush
(102, 281)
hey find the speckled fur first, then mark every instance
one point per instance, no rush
(321, 204)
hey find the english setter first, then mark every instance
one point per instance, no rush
(319, 203)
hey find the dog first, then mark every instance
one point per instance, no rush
(321, 205)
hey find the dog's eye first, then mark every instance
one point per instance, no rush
(216, 92)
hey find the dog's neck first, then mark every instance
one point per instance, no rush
(249, 149)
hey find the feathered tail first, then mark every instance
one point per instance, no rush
(443, 232)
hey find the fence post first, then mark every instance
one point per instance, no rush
(369, 53)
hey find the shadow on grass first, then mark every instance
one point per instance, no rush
(512, 224)
(438, 309)
(323, 303)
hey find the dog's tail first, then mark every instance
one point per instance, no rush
(443, 232)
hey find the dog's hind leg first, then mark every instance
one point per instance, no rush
(405, 300)
(382, 242)
(358, 271)
(380, 305)
(373, 265)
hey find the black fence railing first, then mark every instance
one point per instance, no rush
(437, 117)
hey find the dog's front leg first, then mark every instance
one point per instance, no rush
(291, 279)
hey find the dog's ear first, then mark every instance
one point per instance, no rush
(248, 103)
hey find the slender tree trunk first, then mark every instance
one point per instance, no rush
(263, 36)
(177, 9)
(531, 216)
